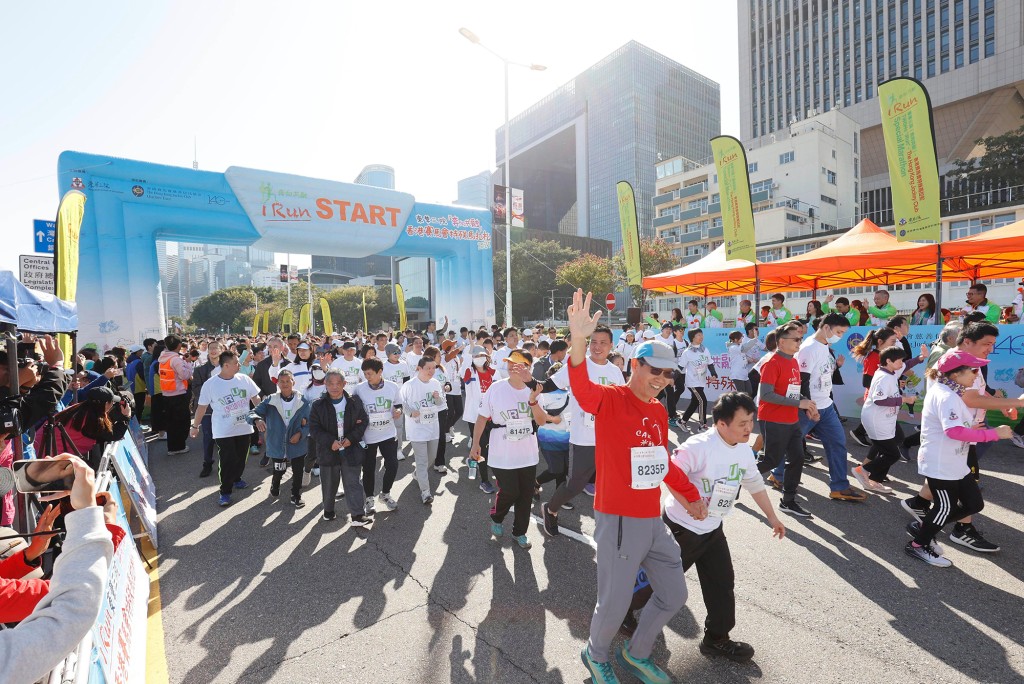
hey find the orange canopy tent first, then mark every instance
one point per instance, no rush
(711, 276)
(997, 253)
(865, 255)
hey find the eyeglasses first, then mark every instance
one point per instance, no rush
(792, 339)
(663, 372)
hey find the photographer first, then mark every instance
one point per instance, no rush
(41, 384)
(89, 422)
(71, 604)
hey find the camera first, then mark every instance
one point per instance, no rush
(9, 423)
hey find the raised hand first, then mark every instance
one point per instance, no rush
(581, 323)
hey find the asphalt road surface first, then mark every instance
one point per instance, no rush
(263, 592)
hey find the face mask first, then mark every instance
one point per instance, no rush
(319, 375)
(479, 362)
(833, 339)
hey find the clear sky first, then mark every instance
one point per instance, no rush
(313, 88)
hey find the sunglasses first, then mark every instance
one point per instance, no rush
(663, 372)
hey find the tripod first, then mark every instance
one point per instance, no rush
(49, 446)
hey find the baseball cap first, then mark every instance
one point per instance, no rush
(656, 354)
(649, 335)
(666, 324)
(136, 348)
(955, 358)
(101, 395)
(478, 351)
(390, 349)
(348, 345)
(302, 345)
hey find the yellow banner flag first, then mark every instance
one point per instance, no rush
(304, 319)
(286, 321)
(70, 214)
(913, 166)
(366, 326)
(630, 233)
(400, 298)
(325, 312)
(256, 323)
(734, 193)
(266, 322)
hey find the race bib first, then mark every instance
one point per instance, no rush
(238, 411)
(793, 392)
(589, 420)
(518, 429)
(380, 420)
(649, 466)
(723, 496)
(428, 415)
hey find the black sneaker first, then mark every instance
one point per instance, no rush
(568, 506)
(550, 521)
(275, 491)
(913, 507)
(329, 515)
(794, 508)
(860, 436)
(536, 492)
(810, 457)
(737, 651)
(969, 536)
(264, 461)
(207, 470)
(298, 502)
(914, 529)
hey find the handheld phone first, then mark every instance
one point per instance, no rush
(43, 475)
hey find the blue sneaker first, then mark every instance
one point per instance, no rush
(225, 500)
(590, 489)
(497, 529)
(643, 669)
(487, 488)
(240, 484)
(523, 542)
(600, 673)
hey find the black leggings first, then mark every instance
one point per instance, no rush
(887, 452)
(698, 403)
(876, 446)
(953, 500)
(515, 489)
(389, 452)
(442, 419)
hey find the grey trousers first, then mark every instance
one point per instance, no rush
(424, 453)
(348, 476)
(623, 545)
(581, 469)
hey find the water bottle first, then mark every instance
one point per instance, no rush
(472, 469)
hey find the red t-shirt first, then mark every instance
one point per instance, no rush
(782, 374)
(621, 422)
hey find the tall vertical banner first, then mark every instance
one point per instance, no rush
(70, 213)
(518, 209)
(400, 299)
(630, 233)
(266, 321)
(734, 193)
(325, 311)
(913, 166)
(366, 326)
(286, 320)
(304, 318)
(256, 323)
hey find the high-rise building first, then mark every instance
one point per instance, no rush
(377, 175)
(801, 57)
(610, 123)
(475, 191)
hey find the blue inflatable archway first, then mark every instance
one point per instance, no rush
(131, 204)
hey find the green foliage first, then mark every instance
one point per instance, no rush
(1001, 166)
(655, 257)
(590, 272)
(347, 307)
(534, 265)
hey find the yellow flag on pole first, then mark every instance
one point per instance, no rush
(304, 319)
(70, 214)
(325, 311)
(286, 320)
(400, 298)
(630, 233)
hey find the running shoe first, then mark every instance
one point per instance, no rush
(969, 536)
(241, 484)
(487, 488)
(360, 521)
(550, 521)
(810, 457)
(736, 651)
(860, 436)
(867, 483)
(225, 500)
(368, 508)
(568, 506)
(497, 529)
(914, 528)
(275, 490)
(600, 673)
(329, 515)
(794, 508)
(643, 669)
(590, 489)
(673, 422)
(440, 469)
(316, 472)
(388, 502)
(428, 498)
(848, 494)
(298, 502)
(927, 554)
(1018, 441)
(914, 507)
(177, 452)
(774, 482)
(523, 542)
(254, 449)
(207, 470)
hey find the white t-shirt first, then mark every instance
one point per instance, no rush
(416, 396)
(352, 370)
(941, 457)
(815, 360)
(581, 426)
(442, 379)
(299, 370)
(288, 408)
(314, 392)
(707, 459)
(498, 361)
(229, 402)
(411, 358)
(880, 421)
(515, 445)
(379, 404)
(695, 361)
(395, 372)
(453, 369)
(737, 362)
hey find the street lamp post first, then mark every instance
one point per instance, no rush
(473, 38)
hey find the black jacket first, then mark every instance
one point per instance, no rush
(199, 377)
(261, 376)
(323, 429)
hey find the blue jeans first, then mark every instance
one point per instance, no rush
(206, 427)
(830, 431)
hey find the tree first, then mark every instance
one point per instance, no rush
(590, 272)
(994, 178)
(655, 257)
(534, 265)
(346, 305)
(222, 307)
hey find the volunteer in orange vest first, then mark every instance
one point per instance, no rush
(175, 373)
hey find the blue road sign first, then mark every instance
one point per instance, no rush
(43, 235)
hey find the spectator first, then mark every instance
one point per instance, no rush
(135, 375)
(882, 310)
(977, 300)
(174, 375)
(925, 314)
(863, 317)
(88, 422)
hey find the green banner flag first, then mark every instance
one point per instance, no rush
(913, 166)
(734, 193)
(630, 233)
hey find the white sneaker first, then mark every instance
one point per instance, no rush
(440, 469)
(387, 501)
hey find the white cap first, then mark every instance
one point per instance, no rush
(649, 335)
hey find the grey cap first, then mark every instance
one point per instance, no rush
(390, 349)
(656, 354)
(477, 351)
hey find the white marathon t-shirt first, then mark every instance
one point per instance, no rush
(694, 362)
(352, 370)
(880, 421)
(515, 444)
(395, 372)
(581, 426)
(289, 407)
(941, 457)
(416, 396)
(229, 402)
(379, 404)
(709, 462)
(815, 360)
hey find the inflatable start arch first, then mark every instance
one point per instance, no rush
(131, 204)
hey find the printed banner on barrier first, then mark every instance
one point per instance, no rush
(135, 477)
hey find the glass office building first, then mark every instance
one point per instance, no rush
(613, 122)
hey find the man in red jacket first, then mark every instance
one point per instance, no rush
(632, 461)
